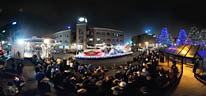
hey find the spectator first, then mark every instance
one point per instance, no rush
(44, 87)
(19, 82)
(10, 90)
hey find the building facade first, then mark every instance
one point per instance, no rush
(86, 36)
(143, 41)
(63, 39)
(107, 36)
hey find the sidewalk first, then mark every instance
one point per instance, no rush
(189, 85)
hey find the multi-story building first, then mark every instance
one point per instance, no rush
(63, 38)
(107, 36)
(86, 36)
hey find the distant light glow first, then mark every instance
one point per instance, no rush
(66, 47)
(46, 41)
(14, 23)
(68, 27)
(3, 31)
(140, 44)
(98, 39)
(2, 42)
(146, 43)
(61, 47)
(21, 41)
(90, 39)
(85, 20)
(81, 19)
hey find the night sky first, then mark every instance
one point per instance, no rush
(41, 18)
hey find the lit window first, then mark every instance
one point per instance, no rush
(90, 39)
(98, 39)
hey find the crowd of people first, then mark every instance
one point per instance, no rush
(14, 87)
(142, 76)
(70, 78)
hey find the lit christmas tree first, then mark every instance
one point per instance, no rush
(182, 38)
(164, 37)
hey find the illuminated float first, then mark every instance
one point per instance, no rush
(99, 53)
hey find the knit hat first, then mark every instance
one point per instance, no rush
(122, 84)
(82, 90)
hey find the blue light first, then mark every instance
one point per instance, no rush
(68, 27)
(146, 31)
(202, 53)
(14, 23)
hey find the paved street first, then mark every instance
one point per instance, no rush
(30, 82)
(189, 85)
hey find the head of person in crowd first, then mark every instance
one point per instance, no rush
(68, 62)
(58, 61)
(45, 80)
(16, 78)
(122, 84)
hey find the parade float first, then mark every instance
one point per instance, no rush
(99, 53)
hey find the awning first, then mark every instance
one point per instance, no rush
(188, 51)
